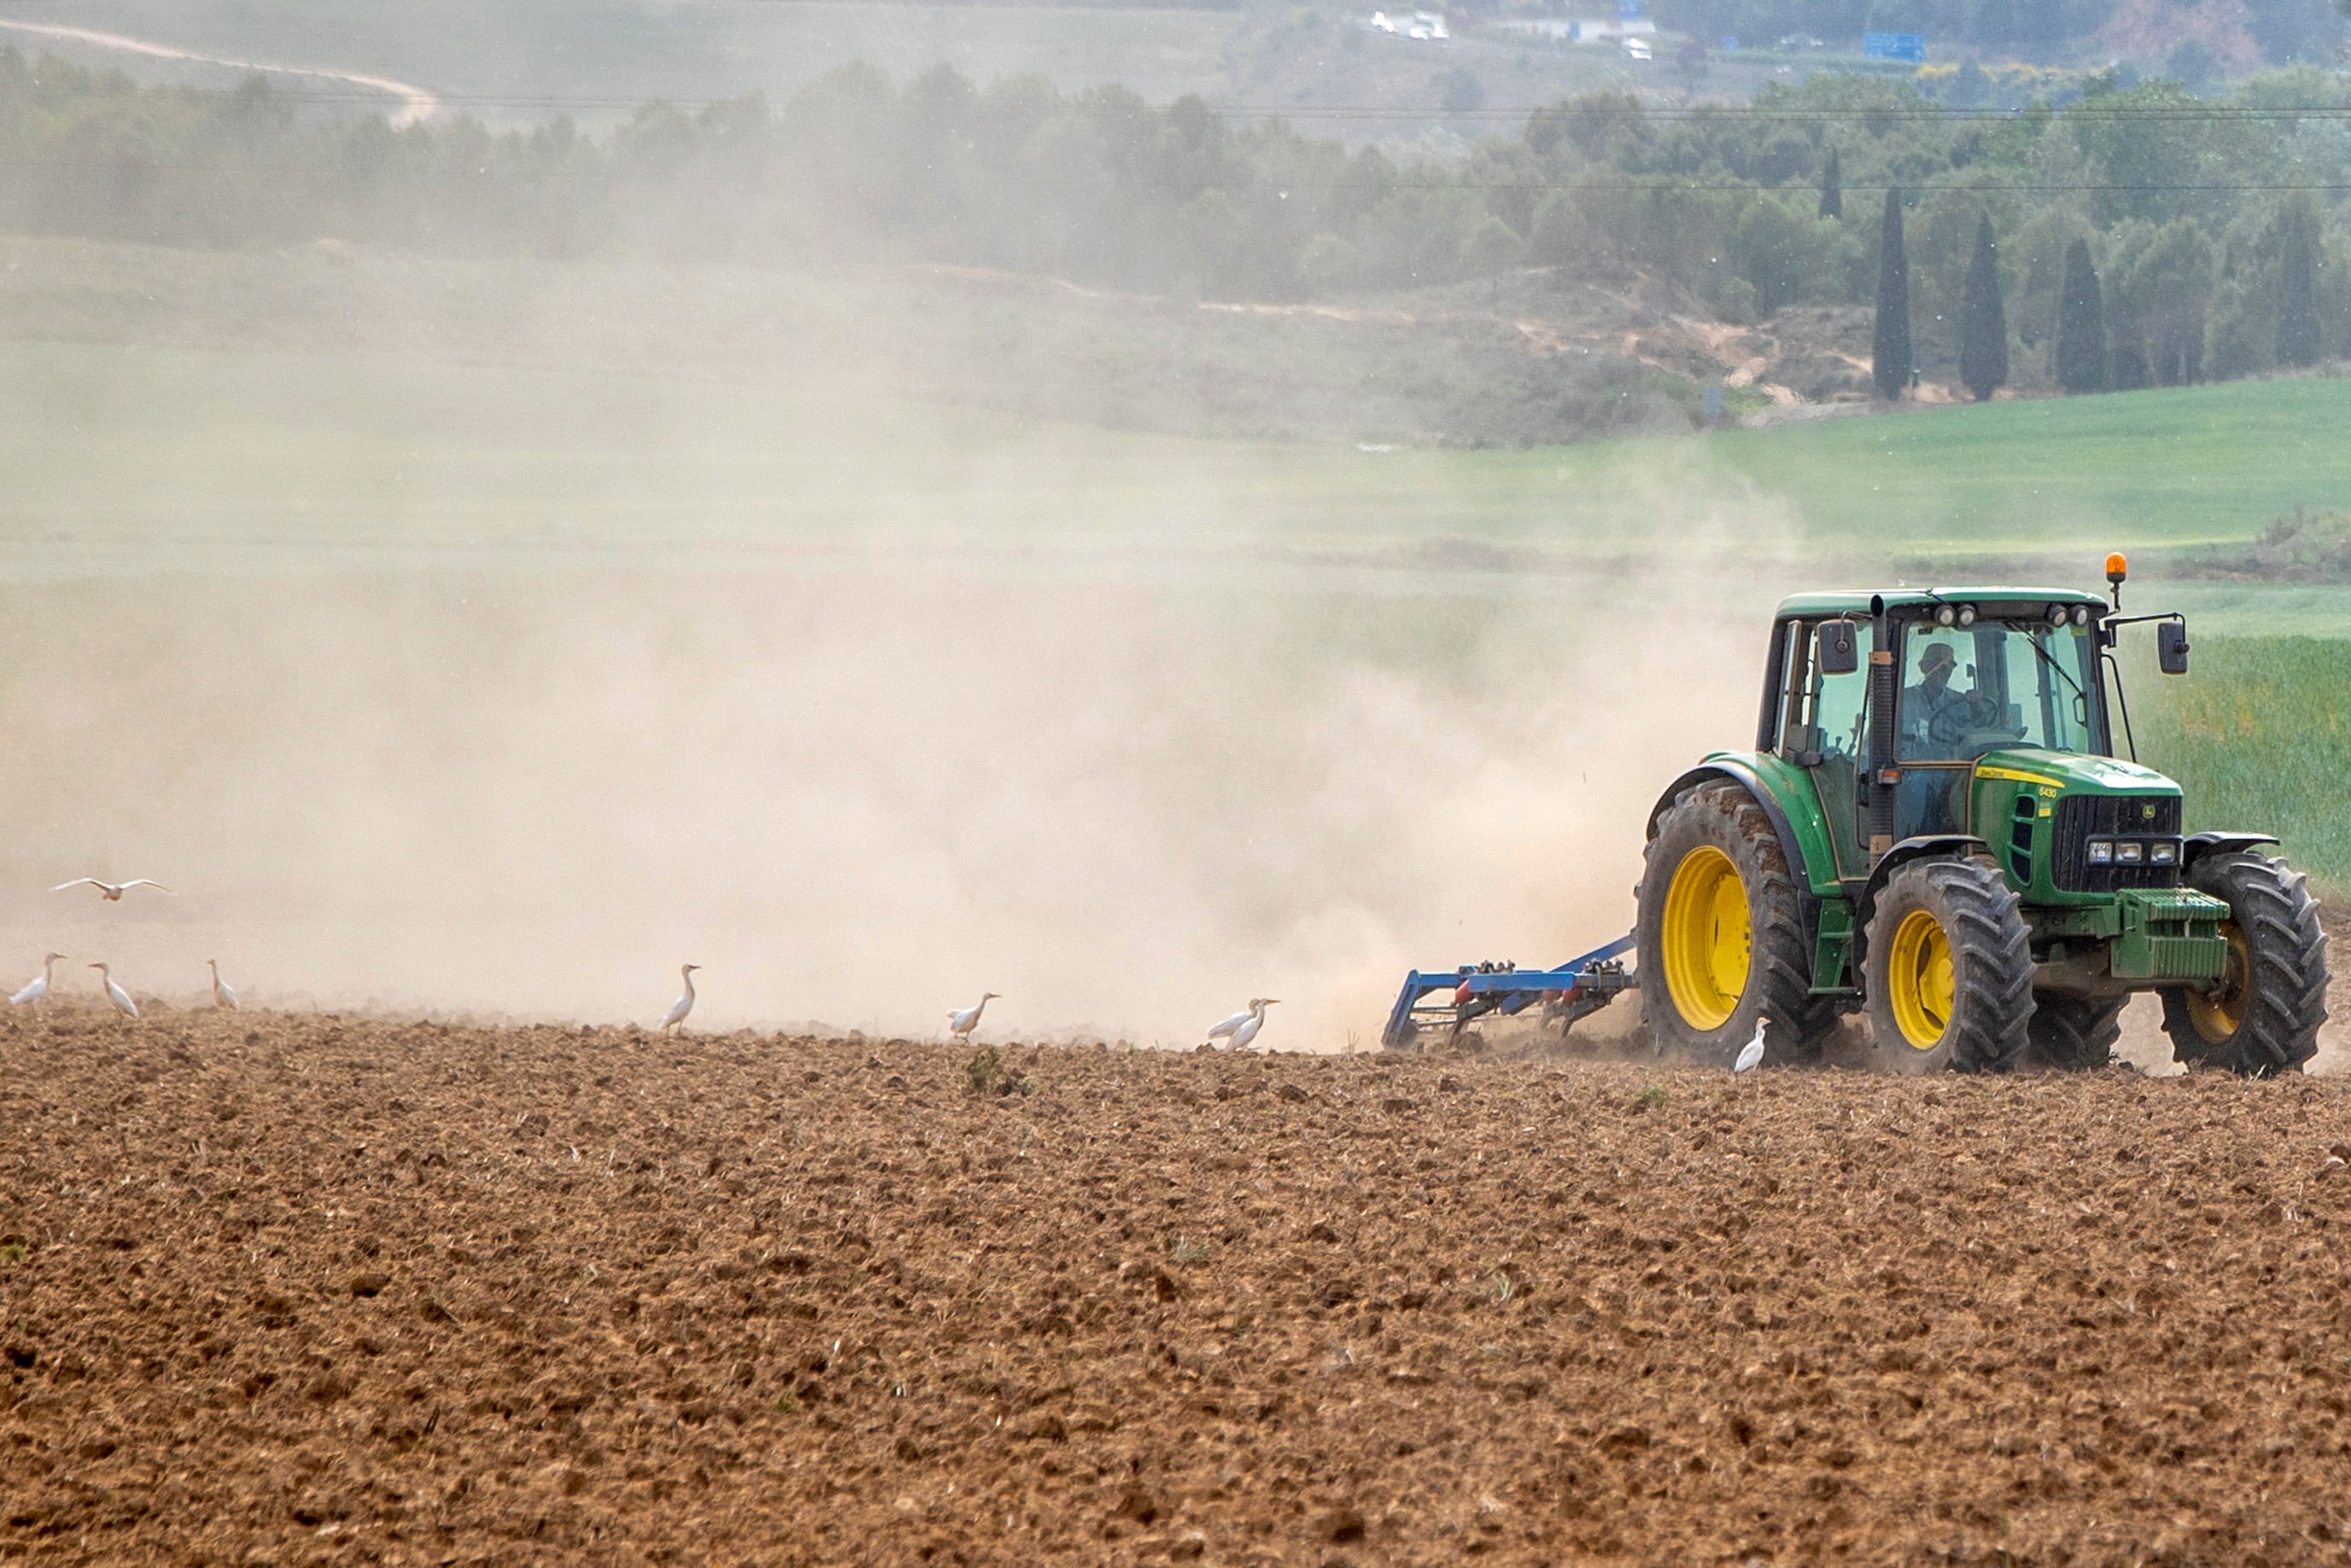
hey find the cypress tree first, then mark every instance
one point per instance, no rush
(2081, 325)
(1983, 325)
(2298, 339)
(1833, 188)
(1889, 358)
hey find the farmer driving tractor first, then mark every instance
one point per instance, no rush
(1935, 718)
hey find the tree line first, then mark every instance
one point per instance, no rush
(2154, 329)
(2138, 235)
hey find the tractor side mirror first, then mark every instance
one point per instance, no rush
(2171, 647)
(1839, 648)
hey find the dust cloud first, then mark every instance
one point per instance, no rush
(858, 790)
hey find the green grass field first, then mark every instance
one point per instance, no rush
(2180, 466)
(112, 446)
(2171, 467)
(128, 461)
(2258, 735)
(374, 399)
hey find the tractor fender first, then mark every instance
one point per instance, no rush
(2198, 845)
(1747, 778)
(1925, 847)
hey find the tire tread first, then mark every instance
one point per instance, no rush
(1992, 1002)
(2271, 904)
(1779, 949)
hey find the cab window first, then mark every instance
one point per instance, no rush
(1995, 686)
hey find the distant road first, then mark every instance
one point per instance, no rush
(417, 102)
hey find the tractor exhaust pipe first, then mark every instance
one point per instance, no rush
(1883, 773)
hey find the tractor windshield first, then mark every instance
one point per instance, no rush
(1997, 686)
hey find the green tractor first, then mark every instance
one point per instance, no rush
(1933, 828)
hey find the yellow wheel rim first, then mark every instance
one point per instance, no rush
(2218, 1013)
(1918, 979)
(1705, 939)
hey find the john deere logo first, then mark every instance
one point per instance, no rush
(2148, 810)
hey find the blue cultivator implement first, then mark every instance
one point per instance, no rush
(1454, 998)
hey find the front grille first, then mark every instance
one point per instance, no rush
(2081, 818)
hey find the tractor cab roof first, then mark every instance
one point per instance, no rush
(1990, 601)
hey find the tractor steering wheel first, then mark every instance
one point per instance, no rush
(1952, 723)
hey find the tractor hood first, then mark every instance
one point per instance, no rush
(2069, 827)
(2072, 773)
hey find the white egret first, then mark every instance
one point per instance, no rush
(1257, 1005)
(111, 892)
(30, 996)
(116, 994)
(960, 1024)
(675, 1018)
(223, 997)
(1751, 1055)
(1248, 1031)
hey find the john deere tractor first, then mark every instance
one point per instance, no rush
(1933, 828)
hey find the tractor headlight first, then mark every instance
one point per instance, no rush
(2130, 851)
(1945, 615)
(1966, 614)
(2081, 615)
(2163, 853)
(2057, 615)
(2102, 852)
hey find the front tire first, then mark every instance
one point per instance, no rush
(1721, 936)
(1949, 969)
(2263, 1016)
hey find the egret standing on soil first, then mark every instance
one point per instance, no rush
(961, 1024)
(30, 996)
(116, 994)
(223, 998)
(1245, 1030)
(1751, 1055)
(111, 892)
(675, 1018)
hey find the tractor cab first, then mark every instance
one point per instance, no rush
(1975, 681)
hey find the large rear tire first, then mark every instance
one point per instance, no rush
(1949, 971)
(2070, 1034)
(2263, 1016)
(1721, 936)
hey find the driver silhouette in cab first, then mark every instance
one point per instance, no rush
(1935, 718)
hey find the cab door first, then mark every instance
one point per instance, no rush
(1828, 737)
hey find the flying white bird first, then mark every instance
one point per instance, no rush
(1751, 1055)
(675, 1016)
(961, 1024)
(116, 994)
(1248, 1030)
(111, 892)
(30, 996)
(222, 996)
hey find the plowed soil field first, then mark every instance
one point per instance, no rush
(291, 1289)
